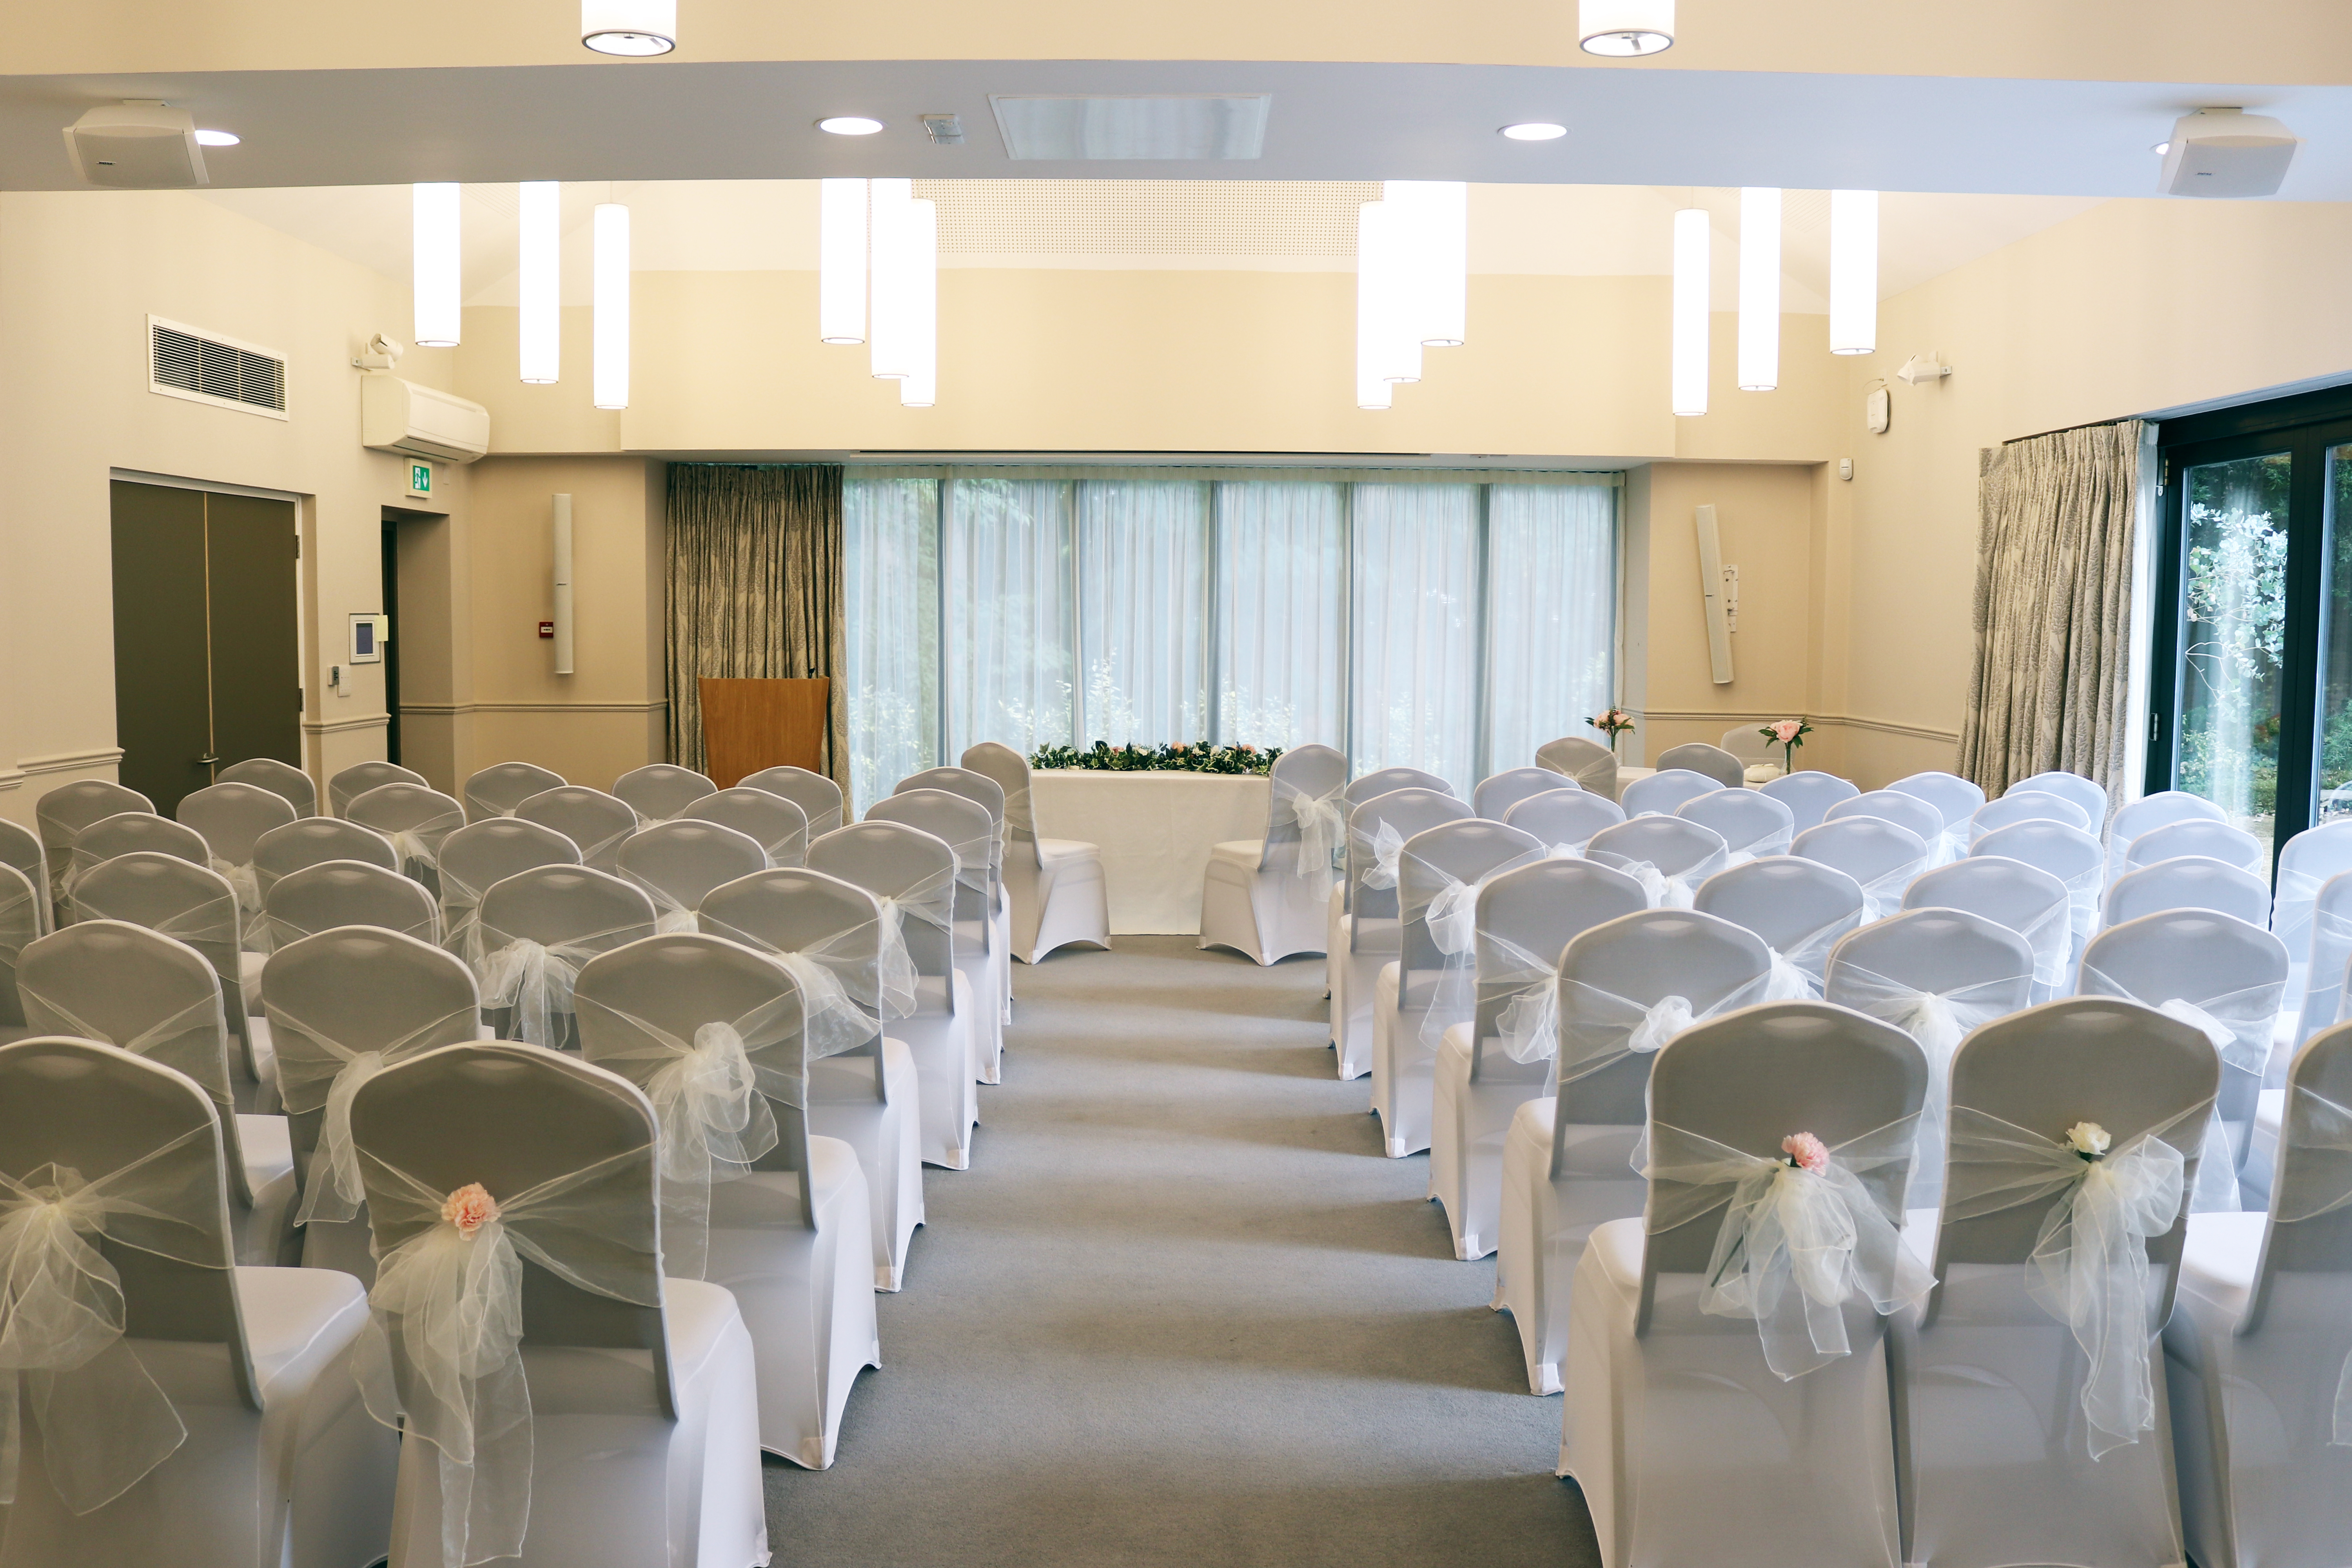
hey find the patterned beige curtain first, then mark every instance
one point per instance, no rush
(755, 589)
(2052, 607)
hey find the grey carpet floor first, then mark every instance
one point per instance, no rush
(1180, 1311)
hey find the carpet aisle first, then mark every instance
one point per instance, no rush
(1182, 1313)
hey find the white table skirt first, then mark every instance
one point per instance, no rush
(1155, 830)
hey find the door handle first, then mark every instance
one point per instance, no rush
(208, 760)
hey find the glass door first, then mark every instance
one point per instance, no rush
(2232, 612)
(2334, 744)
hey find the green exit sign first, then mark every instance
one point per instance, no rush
(420, 481)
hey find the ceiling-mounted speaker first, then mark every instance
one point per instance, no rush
(137, 146)
(2226, 153)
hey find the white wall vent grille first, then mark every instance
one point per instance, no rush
(205, 367)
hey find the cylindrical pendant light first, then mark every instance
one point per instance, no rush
(1373, 388)
(1430, 228)
(919, 388)
(1853, 272)
(611, 374)
(1759, 290)
(1623, 27)
(538, 275)
(433, 277)
(629, 27)
(890, 342)
(1690, 311)
(841, 261)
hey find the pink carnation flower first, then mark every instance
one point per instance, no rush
(469, 1208)
(1806, 1151)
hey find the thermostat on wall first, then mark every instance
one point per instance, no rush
(369, 634)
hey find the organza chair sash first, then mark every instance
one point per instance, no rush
(710, 1099)
(1951, 844)
(1599, 1029)
(932, 902)
(318, 1072)
(104, 1422)
(536, 978)
(191, 1041)
(1381, 847)
(843, 999)
(243, 880)
(461, 919)
(2297, 892)
(1589, 774)
(2330, 950)
(2089, 1266)
(1526, 1018)
(2239, 1023)
(973, 857)
(1665, 890)
(443, 1360)
(1796, 1244)
(284, 932)
(16, 914)
(1796, 974)
(1322, 823)
(590, 851)
(1938, 1021)
(1775, 841)
(2083, 891)
(1451, 913)
(1883, 895)
(2050, 934)
(421, 844)
(2314, 1177)
(670, 916)
(208, 921)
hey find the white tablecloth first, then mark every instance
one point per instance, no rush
(1155, 829)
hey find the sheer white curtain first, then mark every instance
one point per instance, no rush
(1143, 552)
(1551, 615)
(890, 531)
(1281, 592)
(1414, 607)
(1010, 661)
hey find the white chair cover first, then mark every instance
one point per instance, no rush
(2240, 1024)
(1599, 1029)
(1450, 912)
(418, 843)
(1797, 969)
(844, 997)
(2316, 1166)
(1938, 1021)
(1665, 890)
(325, 1080)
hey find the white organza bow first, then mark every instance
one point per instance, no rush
(1883, 895)
(461, 919)
(1772, 841)
(932, 902)
(2314, 1177)
(420, 843)
(1951, 845)
(193, 1040)
(1322, 824)
(1599, 1029)
(1665, 890)
(1796, 974)
(1449, 908)
(1381, 847)
(671, 915)
(842, 996)
(535, 979)
(243, 880)
(443, 1360)
(104, 1422)
(2239, 1023)
(1938, 1021)
(2089, 1263)
(1795, 1245)
(318, 1072)
(1525, 989)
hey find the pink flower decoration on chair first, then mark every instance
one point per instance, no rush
(1806, 1151)
(469, 1208)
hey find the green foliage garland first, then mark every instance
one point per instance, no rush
(1196, 757)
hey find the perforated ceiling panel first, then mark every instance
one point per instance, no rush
(1147, 217)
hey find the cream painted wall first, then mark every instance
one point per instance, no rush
(78, 274)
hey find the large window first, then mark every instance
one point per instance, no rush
(1441, 621)
(2251, 704)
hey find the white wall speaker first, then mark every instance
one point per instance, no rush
(562, 541)
(1712, 598)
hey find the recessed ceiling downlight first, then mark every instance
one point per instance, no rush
(216, 137)
(1535, 131)
(634, 29)
(850, 125)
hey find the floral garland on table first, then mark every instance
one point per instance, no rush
(1181, 757)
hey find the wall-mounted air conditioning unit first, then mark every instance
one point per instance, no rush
(398, 415)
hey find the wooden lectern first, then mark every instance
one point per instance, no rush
(748, 725)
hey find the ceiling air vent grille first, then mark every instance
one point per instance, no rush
(207, 368)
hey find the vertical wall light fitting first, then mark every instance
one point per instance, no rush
(1853, 272)
(559, 516)
(1692, 262)
(433, 275)
(841, 261)
(610, 376)
(538, 275)
(1759, 290)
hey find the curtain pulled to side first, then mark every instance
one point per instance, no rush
(2052, 612)
(756, 589)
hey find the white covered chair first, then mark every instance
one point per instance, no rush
(480, 854)
(750, 1199)
(675, 863)
(596, 822)
(1489, 1067)
(661, 791)
(2025, 806)
(985, 792)
(2189, 882)
(1879, 855)
(20, 901)
(2305, 862)
(818, 796)
(1662, 792)
(349, 893)
(2258, 1342)
(416, 819)
(133, 833)
(2225, 977)
(344, 1005)
(780, 826)
(157, 997)
(538, 927)
(1809, 794)
(1759, 759)
(1724, 767)
(1387, 780)
(1054, 886)
(829, 932)
(1727, 1404)
(356, 781)
(278, 778)
(1593, 766)
(1431, 985)
(1270, 897)
(927, 1000)
(497, 790)
(1565, 819)
(2027, 900)
(233, 817)
(65, 811)
(1956, 800)
(1498, 793)
(2069, 854)
(2087, 795)
(314, 841)
(610, 1417)
(1668, 856)
(206, 1408)
(1371, 786)
(2161, 809)
(1753, 824)
(2197, 835)
(1799, 908)
(966, 827)
(1936, 975)
(2030, 1396)
(1902, 808)
(1366, 937)
(1626, 987)
(20, 847)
